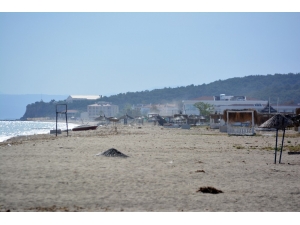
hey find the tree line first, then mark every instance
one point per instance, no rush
(284, 88)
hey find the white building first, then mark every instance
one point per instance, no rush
(145, 109)
(168, 109)
(161, 109)
(72, 98)
(102, 108)
(223, 102)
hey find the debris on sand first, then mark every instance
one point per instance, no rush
(210, 190)
(294, 153)
(112, 152)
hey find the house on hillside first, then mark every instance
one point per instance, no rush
(72, 98)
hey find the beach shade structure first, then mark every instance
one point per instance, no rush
(279, 122)
(268, 109)
(100, 118)
(160, 120)
(125, 118)
(295, 119)
(139, 119)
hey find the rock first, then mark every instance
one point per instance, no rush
(112, 153)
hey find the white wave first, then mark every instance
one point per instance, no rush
(9, 129)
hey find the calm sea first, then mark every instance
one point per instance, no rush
(10, 129)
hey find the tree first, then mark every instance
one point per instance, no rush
(204, 108)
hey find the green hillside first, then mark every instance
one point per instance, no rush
(284, 87)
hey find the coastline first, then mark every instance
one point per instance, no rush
(17, 128)
(164, 171)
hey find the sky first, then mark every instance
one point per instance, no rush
(106, 53)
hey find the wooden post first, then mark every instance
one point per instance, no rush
(62, 112)
(252, 122)
(281, 145)
(56, 120)
(227, 121)
(67, 119)
(276, 145)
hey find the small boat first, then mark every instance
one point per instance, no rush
(84, 127)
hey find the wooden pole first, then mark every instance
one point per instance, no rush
(253, 122)
(227, 121)
(276, 145)
(56, 122)
(281, 145)
(67, 119)
(269, 106)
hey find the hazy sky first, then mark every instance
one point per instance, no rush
(110, 53)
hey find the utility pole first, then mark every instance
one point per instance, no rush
(269, 105)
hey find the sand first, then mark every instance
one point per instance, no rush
(163, 172)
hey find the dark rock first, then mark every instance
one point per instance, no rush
(113, 153)
(210, 190)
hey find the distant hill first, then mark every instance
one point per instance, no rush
(286, 87)
(282, 87)
(13, 106)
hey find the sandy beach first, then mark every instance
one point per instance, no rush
(163, 172)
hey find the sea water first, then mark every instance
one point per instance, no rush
(9, 129)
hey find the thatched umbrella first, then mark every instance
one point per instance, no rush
(279, 122)
(110, 119)
(139, 119)
(125, 118)
(100, 118)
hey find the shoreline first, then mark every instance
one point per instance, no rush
(38, 130)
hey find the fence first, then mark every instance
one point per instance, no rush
(233, 130)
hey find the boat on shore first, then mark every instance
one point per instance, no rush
(84, 127)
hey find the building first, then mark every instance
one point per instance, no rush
(161, 109)
(145, 109)
(223, 102)
(102, 108)
(167, 109)
(286, 109)
(72, 98)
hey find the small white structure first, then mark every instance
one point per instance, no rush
(72, 98)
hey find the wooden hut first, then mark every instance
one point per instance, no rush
(244, 115)
(195, 119)
(180, 118)
(215, 120)
(240, 122)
